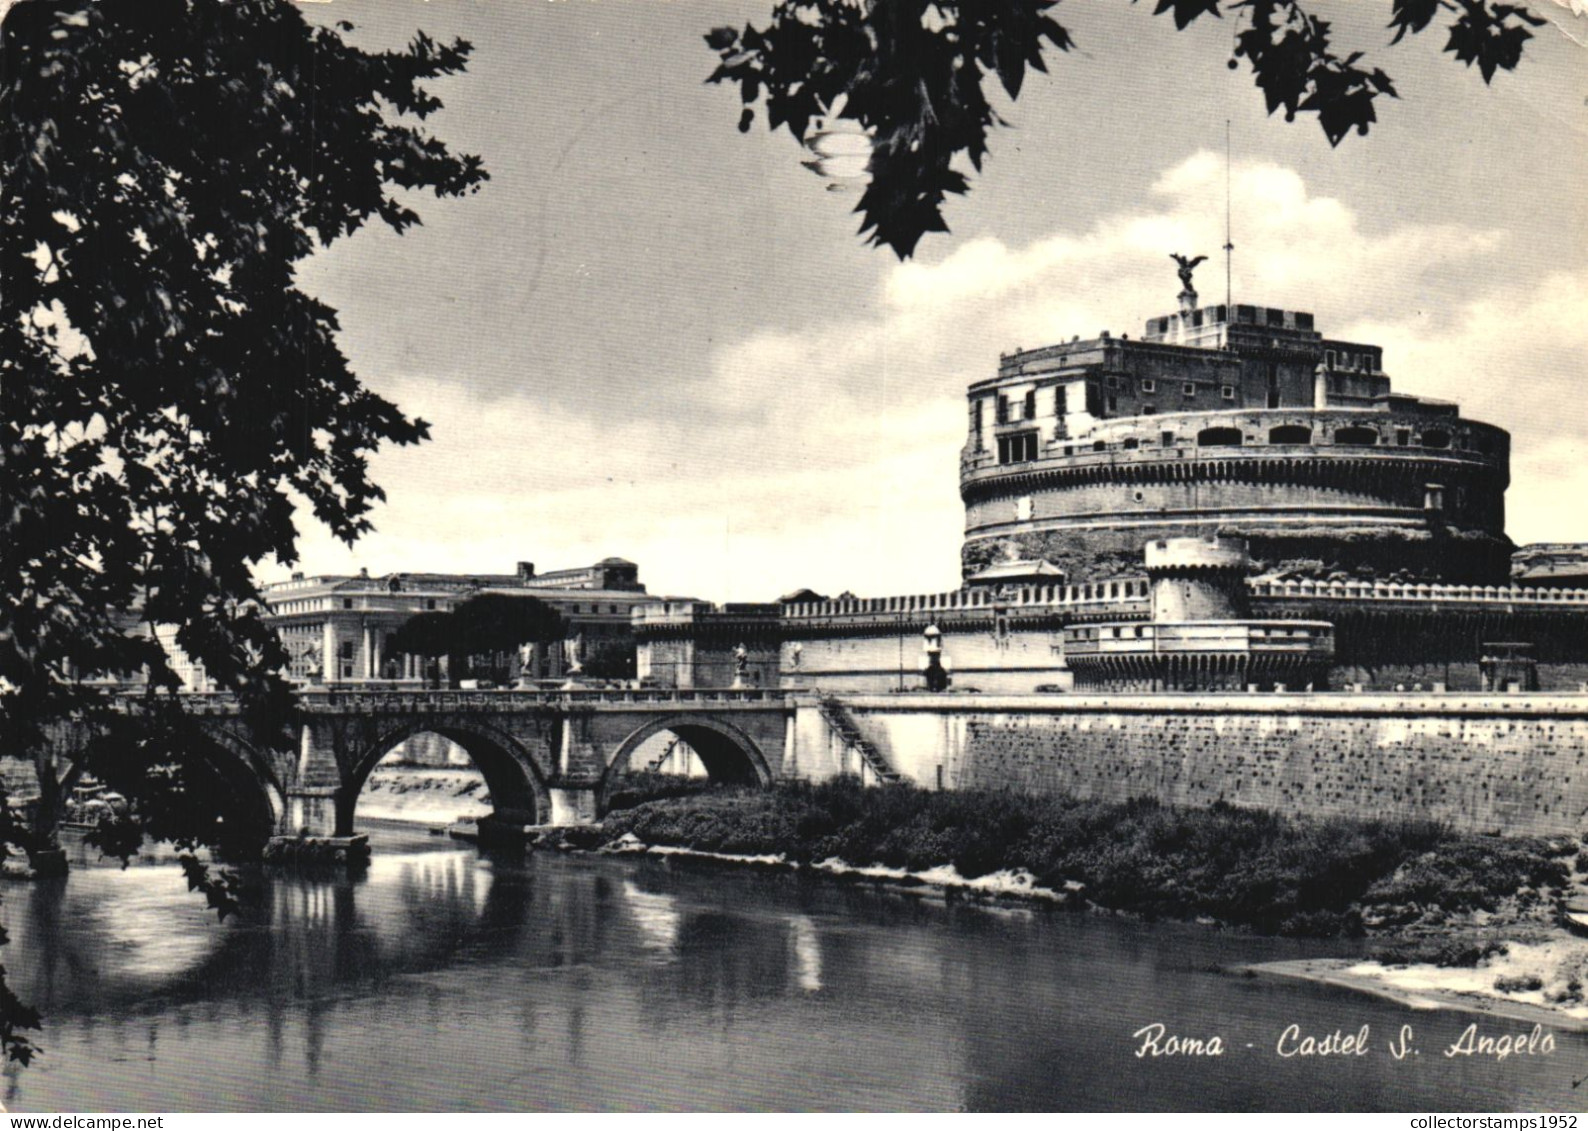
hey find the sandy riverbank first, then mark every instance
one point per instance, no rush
(424, 796)
(1554, 964)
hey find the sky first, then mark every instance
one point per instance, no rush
(654, 337)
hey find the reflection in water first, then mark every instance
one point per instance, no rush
(655, 915)
(807, 953)
(447, 980)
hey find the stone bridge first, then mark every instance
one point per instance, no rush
(547, 757)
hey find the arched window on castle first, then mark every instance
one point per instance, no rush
(1219, 438)
(1359, 437)
(1290, 434)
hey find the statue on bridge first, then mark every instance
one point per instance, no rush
(741, 665)
(573, 653)
(526, 666)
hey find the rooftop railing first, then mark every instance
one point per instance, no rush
(1394, 591)
(1119, 594)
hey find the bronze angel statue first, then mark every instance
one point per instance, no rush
(1186, 267)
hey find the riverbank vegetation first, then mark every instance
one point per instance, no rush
(1242, 867)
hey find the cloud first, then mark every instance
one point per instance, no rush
(826, 455)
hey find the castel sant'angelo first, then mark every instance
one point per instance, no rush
(1235, 419)
(1231, 501)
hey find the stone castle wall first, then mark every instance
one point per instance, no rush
(1516, 764)
(1348, 489)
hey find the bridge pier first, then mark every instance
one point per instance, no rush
(573, 805)
(311, 811)
(313, 831)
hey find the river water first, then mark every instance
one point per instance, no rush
(448, 980)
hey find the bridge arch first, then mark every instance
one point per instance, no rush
(517, 788)
(728, 753)
(253, 802)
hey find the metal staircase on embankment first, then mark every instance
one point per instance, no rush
(839, 720)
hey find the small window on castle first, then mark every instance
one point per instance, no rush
(1189, 389)
(1167, 439)
(1436, 439)
(347, 602)
(1131, 443)
(1113, 404)
(1196, 318)
(1228, 392)
(1018, 448)
(430, 604)
(1031, 404)
(1328, 358)
(1060, 401)
(612, 608)
(1148, 385)
(1002, 416)
(575, 610)
(975, 424)
(1111, 381)
(1360, 437)
(1148, 409)
(1099, 446)
(1403, 437)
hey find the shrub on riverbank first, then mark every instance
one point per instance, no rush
(1240, 866)
(640, 786)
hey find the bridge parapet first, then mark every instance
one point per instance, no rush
(337, 701)
(333, 701)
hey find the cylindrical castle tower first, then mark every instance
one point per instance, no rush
(1198, 579)
(1201, 636)
(1242, 420)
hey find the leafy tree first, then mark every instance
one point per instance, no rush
(610, 659)
(487, 625)
(913, 74)
(167, 392)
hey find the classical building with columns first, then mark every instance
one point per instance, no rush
(337, 627)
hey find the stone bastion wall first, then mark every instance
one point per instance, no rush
(1516, 764)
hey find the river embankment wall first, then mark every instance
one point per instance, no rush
(1515, 764)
